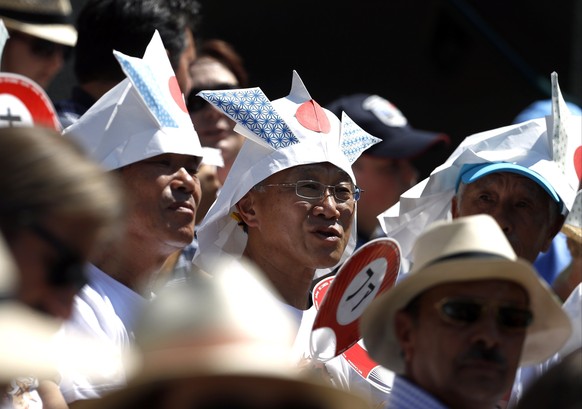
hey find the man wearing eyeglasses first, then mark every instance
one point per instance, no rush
(41, 38)
(455, 329)
(289, 201)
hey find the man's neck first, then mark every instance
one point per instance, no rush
(291, 281)
(97, 88)
(133, 264)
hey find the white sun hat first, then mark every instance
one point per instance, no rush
(219, 333)
(290, 131)
(47, 19)
(463, 250)
(143, 116)
(543, 149)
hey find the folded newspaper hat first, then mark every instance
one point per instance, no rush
(466, 249)
(548, 147)
(290, 131)
(143, 116)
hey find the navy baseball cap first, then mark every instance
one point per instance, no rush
(380, 118)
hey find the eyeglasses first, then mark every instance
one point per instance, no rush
(311, 189)
(196, 103)
(69, 269)
(463, 311)
(43, 48)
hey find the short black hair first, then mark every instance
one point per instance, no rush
(128, 26)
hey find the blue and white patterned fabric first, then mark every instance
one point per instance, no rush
(143, 116)
(405, 395)
(283, 133)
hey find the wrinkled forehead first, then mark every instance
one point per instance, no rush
(511, 181)
(321, 172)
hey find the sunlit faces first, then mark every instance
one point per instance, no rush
(214, 129)
(298, 232)
(164, 194)
(526, 213)
(68, 241)
(187, 58)
(472, 365)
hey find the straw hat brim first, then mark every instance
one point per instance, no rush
(550, 329)
(64, 34)
(254, 365)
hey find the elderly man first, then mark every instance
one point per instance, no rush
(141, 131)
(289, 202)
(455, 329)
(523, 175)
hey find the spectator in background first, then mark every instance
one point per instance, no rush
(127, 26)
(551, 263)
(41, 38)
(387, 169)
(217, 66)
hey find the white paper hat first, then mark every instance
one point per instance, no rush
(143, 116)
(544, 146)
(283, 133)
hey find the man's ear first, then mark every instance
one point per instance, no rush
(403, 330)
(553, 231)
(246, 210)
(454, 209)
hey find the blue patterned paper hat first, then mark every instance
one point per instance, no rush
(290, 131)
(143, 116)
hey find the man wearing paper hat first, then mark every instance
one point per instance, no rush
(455, 329)
(389, 168)
(289, 201)
(141, 131)
(41, 37)
(524, 175)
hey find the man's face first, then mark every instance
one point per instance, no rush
(164, 194)
(519, 205)
(187, 58)
(307, 233)
(383, 181)
(214, 129)
(471, 365)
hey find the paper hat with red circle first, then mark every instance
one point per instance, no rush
(143, 116)
(290, 131)
(549, 147)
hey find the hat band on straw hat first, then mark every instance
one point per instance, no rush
(35, 18)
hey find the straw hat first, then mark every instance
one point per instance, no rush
(46, 19)
(466, 249)
(225, 333)
(573, 224)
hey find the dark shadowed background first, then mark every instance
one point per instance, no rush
(457, 66)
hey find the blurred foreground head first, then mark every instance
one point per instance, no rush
(221, 342)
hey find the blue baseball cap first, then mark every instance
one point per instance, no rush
(472, 172)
